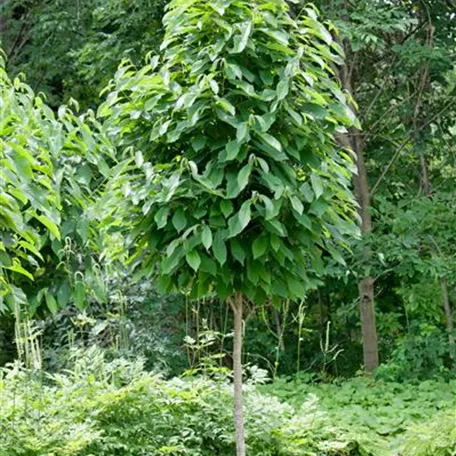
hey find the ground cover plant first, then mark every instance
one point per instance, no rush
(116, 407)
(394, 412)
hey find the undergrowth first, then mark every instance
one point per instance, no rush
(408, 418)
(117, 408)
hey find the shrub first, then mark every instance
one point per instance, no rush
(41, 421)
(116, 408)
(421, 354)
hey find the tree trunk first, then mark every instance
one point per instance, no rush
(237, 372)
(353, 141)
(448, 318)
(280, 329)
(368, 325)
(366, 284)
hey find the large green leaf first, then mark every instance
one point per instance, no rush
(179, 220)
(206, 237)
(259, 246)
(239, 221)
(241, 40)
(219, 248)
(193, 259)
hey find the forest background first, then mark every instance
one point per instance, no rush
(385, 307)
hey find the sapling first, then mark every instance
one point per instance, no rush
(231, 183)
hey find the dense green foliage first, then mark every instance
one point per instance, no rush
(71, 49)
(435, 436)
(388, 411)
(51, 168)
(104, 408)
(218, 163)
(231, 180)
(30, 201)
(403, 80)
(400, 69)
(117, 408)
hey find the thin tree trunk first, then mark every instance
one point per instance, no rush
(280, 329)
(366, 284)
(448, 318)
(237, 372)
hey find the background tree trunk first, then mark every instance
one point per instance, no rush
(237, 373)
(368, 324)
(366, 284)
(353, 141)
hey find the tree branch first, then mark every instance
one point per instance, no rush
(15, 46)
(409, 135)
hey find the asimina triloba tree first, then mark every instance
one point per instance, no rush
(231, 182)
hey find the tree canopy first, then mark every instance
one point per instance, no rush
(235, 182)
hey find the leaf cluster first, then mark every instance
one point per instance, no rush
(231, 179)
(29, 198)
(51, 170)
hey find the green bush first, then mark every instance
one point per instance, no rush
(135, 323)
(118, 409)
(423, 353)
(38, 420)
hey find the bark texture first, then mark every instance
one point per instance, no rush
(368, 323)
(237, 305)
(366, 284)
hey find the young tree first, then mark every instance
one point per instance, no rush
(29, 200)
(232, 183)
(50, 168)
